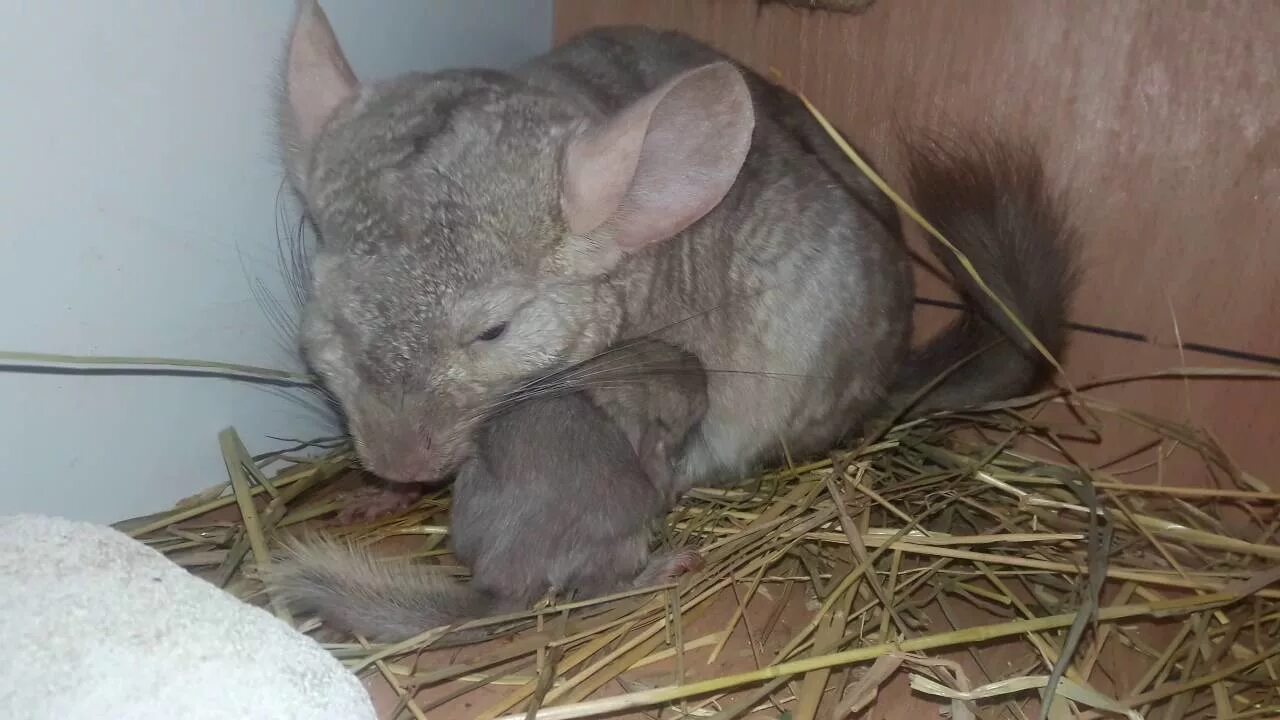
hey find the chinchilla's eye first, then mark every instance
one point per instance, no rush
(492, 333)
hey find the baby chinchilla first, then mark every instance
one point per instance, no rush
(559, 499)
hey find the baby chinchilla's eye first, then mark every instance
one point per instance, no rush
(492, 333)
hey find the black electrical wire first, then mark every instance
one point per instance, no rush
(1202, 348)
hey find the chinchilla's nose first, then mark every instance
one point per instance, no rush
(404, 459)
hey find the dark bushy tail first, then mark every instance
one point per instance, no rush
(991, 200)
(382, 601)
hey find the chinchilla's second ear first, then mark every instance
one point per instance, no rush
(651, 170)
(317, 80)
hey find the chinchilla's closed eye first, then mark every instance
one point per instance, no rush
(492, 333)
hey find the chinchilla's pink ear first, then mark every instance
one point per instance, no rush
(317, 81)
(656, 167)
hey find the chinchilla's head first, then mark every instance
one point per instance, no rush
(467, 222)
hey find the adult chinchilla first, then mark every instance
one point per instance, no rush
(479, 229)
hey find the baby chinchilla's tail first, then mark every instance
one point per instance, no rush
(381, 601)
(990, 199)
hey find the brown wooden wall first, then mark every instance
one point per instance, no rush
(1161, 118)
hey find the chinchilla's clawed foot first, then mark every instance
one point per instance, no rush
(665, 569)
(374, 502)
(684, 562)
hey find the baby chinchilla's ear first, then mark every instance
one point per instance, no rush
(653, 169)
(317, 81)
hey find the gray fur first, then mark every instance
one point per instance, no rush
(438, 203)
(381, 601)
(557, 499)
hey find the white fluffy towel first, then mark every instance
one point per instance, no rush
(94, 624)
